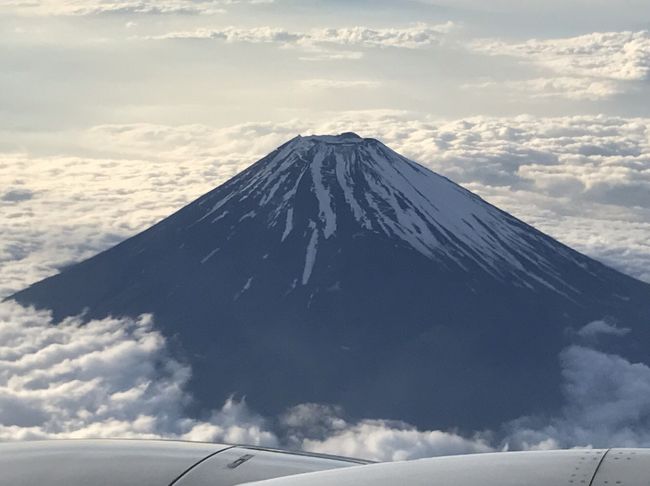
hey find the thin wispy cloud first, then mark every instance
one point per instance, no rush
(623, 56)
(413, 37)
(577, 89)
(337, 83)
(594, 66)
(95, 7)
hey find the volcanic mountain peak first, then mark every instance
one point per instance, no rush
(334, 270)
(311, 186)
(346, 137)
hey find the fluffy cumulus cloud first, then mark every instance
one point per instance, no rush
(613, 55)
(382, 440)
(94, 7)
(588, 67)
(106, 378)
(595, 328)
(324, 43)
(60, 209)
(584, 180)
(607, 403)
(116, 378)
(607, 399)
(323, 428)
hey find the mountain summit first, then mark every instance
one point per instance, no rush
(334, 270)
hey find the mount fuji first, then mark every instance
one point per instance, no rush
(334, 270)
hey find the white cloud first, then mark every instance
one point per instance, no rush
(92, 205)
(235, 423)
(595, 328)
(337, 83)
(583, 180)
(257, 35)
(576, 89)
(575, 177)
(315, 53)
(588, 67)
(116, 378)
(382, 440)
(607, 405)
(94, 7)
(323, 428)
(60, 209)
(612, 55)
(103, 378)
(414, 37)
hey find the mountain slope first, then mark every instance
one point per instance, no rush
(335, 270)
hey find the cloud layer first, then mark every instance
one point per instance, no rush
(608, 405)
(576, 89)
(413, 37)
(587, 67)
(95, 7)
(322, 43)
(65, 195)
(613, 55)
(116, 378)
(107, 378)
(584, 180)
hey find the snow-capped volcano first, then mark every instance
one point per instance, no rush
(335, 270)
(360, 182)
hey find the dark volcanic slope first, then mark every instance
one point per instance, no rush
(335, 270)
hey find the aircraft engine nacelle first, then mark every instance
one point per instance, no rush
(575, 467)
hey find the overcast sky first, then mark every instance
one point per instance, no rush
(69, 64)
(115, 113)
(539, 106)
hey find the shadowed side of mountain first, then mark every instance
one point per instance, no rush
(334, 270)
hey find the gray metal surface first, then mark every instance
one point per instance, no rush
(624, 467)
(98, 462)
(545, 468)
(241, 464)
(149, 463)
(175, 463)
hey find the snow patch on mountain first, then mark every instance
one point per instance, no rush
(361, 179)
(310, 256)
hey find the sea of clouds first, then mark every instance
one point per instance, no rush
(584, 180)
(116, 378)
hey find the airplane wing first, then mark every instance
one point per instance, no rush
(576, 467)
(175, 463)
(150, 463)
